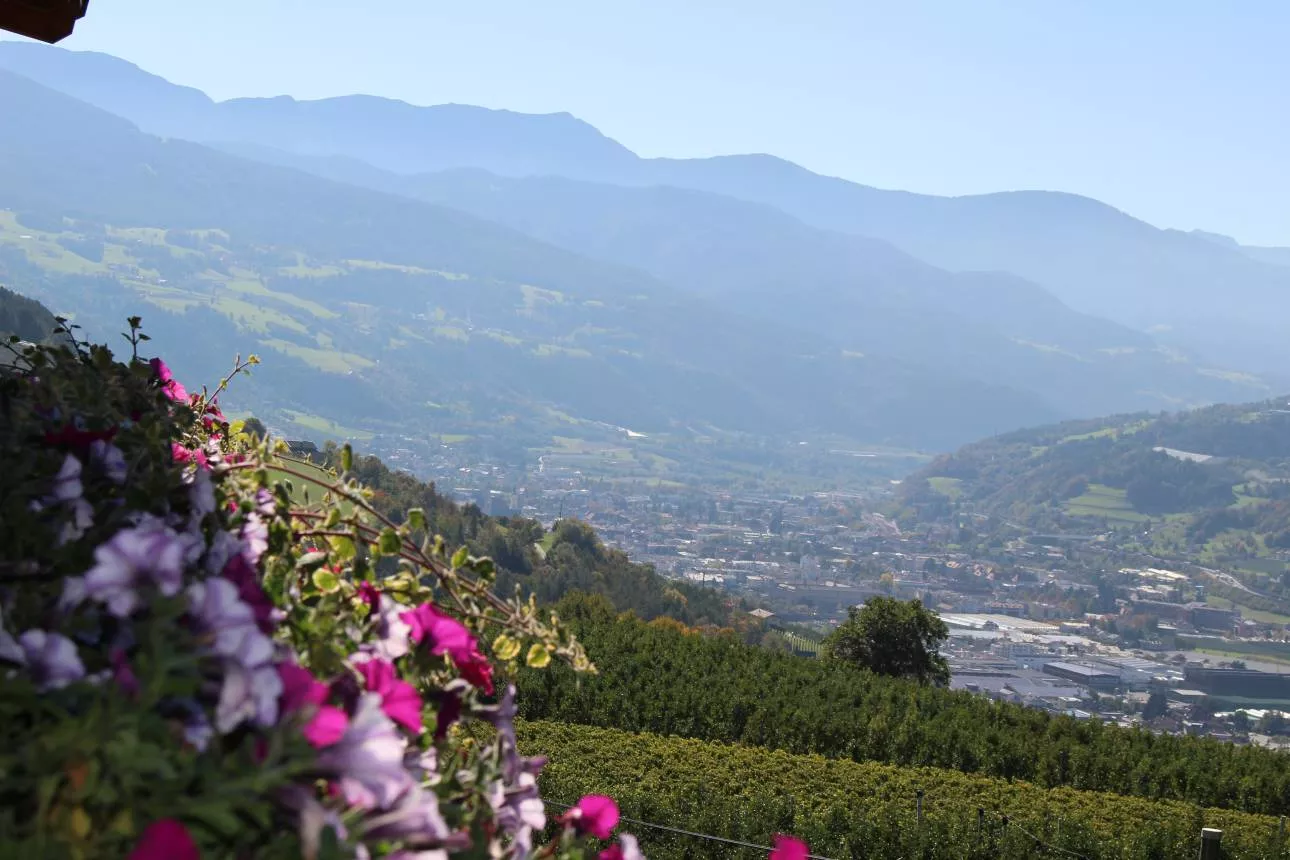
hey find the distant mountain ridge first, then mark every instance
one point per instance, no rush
(1095, 258)
(379, 308)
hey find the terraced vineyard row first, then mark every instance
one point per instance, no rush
(854, 809)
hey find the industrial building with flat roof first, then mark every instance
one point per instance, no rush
(1087, 675)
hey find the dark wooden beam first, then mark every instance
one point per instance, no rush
(46, 20)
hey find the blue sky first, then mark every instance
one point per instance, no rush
(1173, 110)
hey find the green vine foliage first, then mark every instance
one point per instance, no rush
(194, 662)
(656, 678)
(865, 809)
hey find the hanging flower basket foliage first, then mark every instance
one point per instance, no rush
(194, 663)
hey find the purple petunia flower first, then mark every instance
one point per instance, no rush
(151, 552)
(50, 659)
(367, 762)
(414, 817)
(201, 493)
(67, 484)
(198, 731)
(255, 537)
(81, 519)
(314, 818)
(109, 460)
(393, 632)
(252, 685)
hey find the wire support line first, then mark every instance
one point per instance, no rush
(681, 832)
(1042, 844)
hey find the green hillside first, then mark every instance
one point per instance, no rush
(402, 318)
(25, 318)
(1196, 480)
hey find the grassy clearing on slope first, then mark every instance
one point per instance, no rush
(330, 361)
(952, 487)
(327, 427)
(1106, 503)
(256, 288)
(1114, 431)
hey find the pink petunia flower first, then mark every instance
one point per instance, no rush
(301, 690)
(166, 839)
(399, 699)
(788, 848)
(174, 390)
(180, 454)
(594, 814)
(447, 635)
(370, 595)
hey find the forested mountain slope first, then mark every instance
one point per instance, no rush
(1221, 473)
(28, 319)
(862, 293)
(1097, 259)
(382, 312)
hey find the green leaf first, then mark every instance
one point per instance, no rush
(505, 647)
(389, 542)
(417, 518)
(326, 581)
(539, 656)
(347, 458)
(460, 557)
(310, 560)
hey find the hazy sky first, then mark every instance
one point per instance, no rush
(1175, 111)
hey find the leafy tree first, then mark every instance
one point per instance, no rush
(255, 427)
(1157, 706)
(895, 638)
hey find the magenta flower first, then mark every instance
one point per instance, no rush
(788, 848)
(369, 594)
(626, 849)
(180, 454)
(595, 814)
(301, 690)
(166, 839)
(174, 390)
(447, 635)
(150, 553)
(399, 699)
(367, 762)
